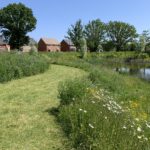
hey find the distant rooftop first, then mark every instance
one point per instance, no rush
(50, 41)
(69, 42)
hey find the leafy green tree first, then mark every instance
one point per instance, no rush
(75, 33)
(83, 47)
(108, 46)
(120, 34)
(146, 35)
(132, 46)
(94, 33)
(144, 41)
(16, 21)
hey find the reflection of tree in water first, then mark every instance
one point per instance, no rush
(134, 71)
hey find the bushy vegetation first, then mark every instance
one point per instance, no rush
(94, 120)
(17, 65)
(73, 90)
(110, 111)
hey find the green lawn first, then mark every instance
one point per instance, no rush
(25, 121)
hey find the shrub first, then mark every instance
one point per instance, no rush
(143, 56)
(83, 47)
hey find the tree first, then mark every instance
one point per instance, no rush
(83, 47)
(142, 43)
(120, 34)
(75, 33)
(144, 40)
(94, 33)
(146, 35)
(16, 21)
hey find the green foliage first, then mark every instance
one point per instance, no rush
(95, 121)
(100, 48)
(72, 90)
(83, 48)
(16, 21)
(144, 41)
(146, 35)
(90, 121)
(142, 56)
(75, 33)
(14, 66)
(108, 46)
(120, 34)
(94, 75)
(94, 33)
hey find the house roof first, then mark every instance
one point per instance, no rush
(50, 41)
(69, 42)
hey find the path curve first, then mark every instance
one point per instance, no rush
(25, 123)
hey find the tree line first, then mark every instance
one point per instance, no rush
(114, 35)
(16, 20)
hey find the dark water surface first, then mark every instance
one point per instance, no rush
(143, 73)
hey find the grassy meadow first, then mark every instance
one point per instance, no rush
(77, 103)
(25, 111)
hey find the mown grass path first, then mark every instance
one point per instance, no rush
(25, 123)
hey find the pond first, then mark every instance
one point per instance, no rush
(143, 73)
(137, 68)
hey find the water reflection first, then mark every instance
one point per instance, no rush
(143, 73)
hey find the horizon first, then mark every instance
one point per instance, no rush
(54, 18)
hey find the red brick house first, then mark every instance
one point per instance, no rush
(48, 45)
(4, 47)
(67, 45)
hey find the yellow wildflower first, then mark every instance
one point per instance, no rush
(134, 105)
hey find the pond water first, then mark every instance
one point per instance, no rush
(143, 72)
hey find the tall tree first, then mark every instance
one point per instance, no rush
(75, 33)
(94, 33)
(83, 48)
(120, 33)
(146, 35)
(144, 40)
(16, 21)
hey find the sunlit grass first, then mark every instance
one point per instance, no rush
(25, 119)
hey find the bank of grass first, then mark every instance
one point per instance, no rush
(123, 87)
(115, 116)
(26, 121)
(17, 65)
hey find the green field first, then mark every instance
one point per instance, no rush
(25, 104)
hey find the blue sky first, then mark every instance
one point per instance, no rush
(55, 16)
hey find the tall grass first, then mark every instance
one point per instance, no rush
(93, 120)
(113, 113)
(17, 65)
